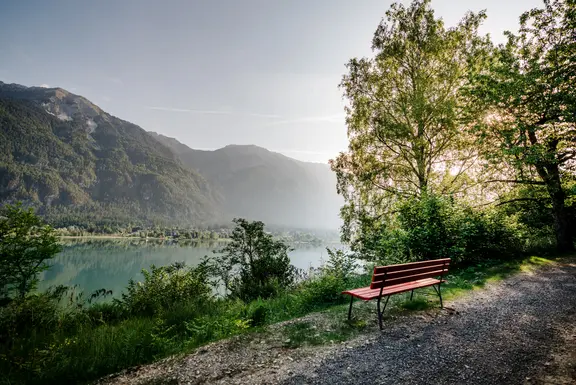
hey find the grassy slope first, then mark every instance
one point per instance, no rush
(90, 352)
(332, 326)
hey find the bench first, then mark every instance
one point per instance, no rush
(394, 279)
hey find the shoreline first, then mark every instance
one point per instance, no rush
(137, 238)
(189, 240)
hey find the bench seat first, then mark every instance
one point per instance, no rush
(400, 278)
(366, 294)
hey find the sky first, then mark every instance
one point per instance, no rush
(213, 72)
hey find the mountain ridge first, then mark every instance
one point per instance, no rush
(305, 193)
(62, 153)
(84, 162)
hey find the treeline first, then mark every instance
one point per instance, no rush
(210, 232)
(139, 232)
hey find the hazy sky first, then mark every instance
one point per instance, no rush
(212, 72)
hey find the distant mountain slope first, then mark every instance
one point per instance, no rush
(259, 184)
(77, 163)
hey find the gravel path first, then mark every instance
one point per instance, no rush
(519, 331)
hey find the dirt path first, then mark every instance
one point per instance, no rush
(519, 331)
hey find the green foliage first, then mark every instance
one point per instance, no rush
(258, 315)
(253, 263)
(25, 246)
(433, 227)
(166, 287)
(404, 113)
(340, 264)
(526, 99)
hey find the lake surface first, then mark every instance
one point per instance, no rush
(92, 264)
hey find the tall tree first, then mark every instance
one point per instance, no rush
(403, 113)
(25, 246)
(528, 94)
(253, 264)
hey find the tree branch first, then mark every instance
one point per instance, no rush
(536, 182)
(522, 200)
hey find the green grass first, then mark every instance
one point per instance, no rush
(460, 281)
(93, 349)
(477, 276)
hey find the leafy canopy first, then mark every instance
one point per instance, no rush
(527, 95)
(25, 246)
(254, 264)
(403, 113)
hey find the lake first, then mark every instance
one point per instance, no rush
(92, 264)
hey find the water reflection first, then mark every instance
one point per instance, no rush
(92, 264)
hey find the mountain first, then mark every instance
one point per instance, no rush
(259, 184)
(77, 163)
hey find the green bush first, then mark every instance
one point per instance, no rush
(165, 287)
(433, 227)
(324, 289)
(340, 265)
(22, 318)
(336, 275)
(258, 316)
(253, 264)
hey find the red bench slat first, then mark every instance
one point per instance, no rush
(411, 265)
(408, 272)
(366, 293)
(408, 278)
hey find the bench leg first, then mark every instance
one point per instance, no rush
(439, 292)
(411, 295)
(350, 309)
(440, 295)
(380, 312)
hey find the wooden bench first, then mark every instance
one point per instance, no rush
(394, 279)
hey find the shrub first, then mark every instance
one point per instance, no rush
(433, 227)
(253, 264)
(324, 289)
(25, 246)
(340, 265)
(36, 314)
(258, 314)
(165, 287)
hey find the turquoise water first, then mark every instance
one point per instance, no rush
(92, 264)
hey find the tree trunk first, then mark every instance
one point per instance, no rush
(564, 241)
(550, 174)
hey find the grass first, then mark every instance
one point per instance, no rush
(477, 276)
(94, 349)
(333, 326)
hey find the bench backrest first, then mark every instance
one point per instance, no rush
(407, 272)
